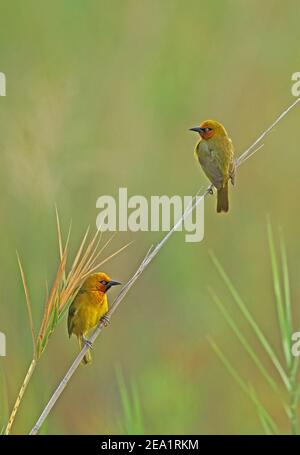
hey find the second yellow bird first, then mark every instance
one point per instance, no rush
(216, 156)
(89, 306)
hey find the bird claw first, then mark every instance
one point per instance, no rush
(105, 320)
(88, 343)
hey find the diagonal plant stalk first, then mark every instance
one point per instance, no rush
(33, 362)
(146, 261)
(63, 291)
(283, 322)
(294, 365)
(270, 428)
(21, 393)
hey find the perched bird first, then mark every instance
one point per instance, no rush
(215, 153)
(89, 306)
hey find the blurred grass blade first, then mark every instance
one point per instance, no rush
(248, 390)
(287, 291)
(282, 320)
(137, 409)
(128, 419)
(29, 308)
(294, 370)
(294, 397)
(243, 308)
(263, 420)
(132, 416)
(244, 341)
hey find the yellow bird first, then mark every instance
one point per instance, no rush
(89, 307)
(215, 153)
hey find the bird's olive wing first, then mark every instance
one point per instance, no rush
(232, 171)
(71, 314)
(232, 164)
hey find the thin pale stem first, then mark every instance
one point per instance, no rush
(293, 410)
(20, 396)
(249, 151)
(294, 397)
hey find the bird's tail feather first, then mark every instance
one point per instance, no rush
(222, 199)
(88, 356)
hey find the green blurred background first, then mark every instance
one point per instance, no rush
(100, 95)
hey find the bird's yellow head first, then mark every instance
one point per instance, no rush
(209, 129)
(98, 282)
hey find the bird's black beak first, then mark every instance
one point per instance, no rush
(112, 283)
(197, 129)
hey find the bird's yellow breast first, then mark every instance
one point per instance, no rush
(88, 309)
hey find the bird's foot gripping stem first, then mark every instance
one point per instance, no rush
(105, 320)
(88, 343)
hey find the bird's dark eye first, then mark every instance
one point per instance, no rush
(207, 129)
(103, 282)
